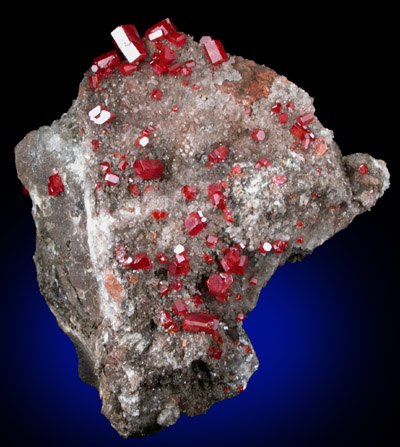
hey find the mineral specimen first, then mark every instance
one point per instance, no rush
(164, 200)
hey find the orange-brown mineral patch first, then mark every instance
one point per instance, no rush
(113, 286)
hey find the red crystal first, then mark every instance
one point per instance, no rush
(134, 189)
(279, 245)
(148, 169)
(156, 94)
(234, 262)
(200, 322)
(363, 169)
(100, 115)
(279, 179)
(158, 215)
(265, 247)
(189, 191)
(208, 259)
(127, 68)
(105, 166)
(228, 215)
(240, 316)
(165, 290)
(55, 185)
(215, 353)
(108, 60)
(212, 241)
(276, 108)
(253, 281)
(237, 169)
(167, 55)
(122, 165)
(167, 321)
(129, 42)
(175, 69)
(258, 135)
(179, 307)
(262, 163)
(176, 38)
(298, 131)
(160, 30)
(197, 300)
(162, 258)
(219, 284)
(177, 285)
(159, 67)
(283, 118)
(94, 79)
(305, 119)
(174, 269)
(219, 154)
(194, 223)
(139, 262)
(111, 179)
(214, 50)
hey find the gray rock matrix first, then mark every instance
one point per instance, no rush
(148, 373)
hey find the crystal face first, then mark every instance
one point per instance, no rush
(165, 199)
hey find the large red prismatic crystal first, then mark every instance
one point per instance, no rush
(129, 42)
(139, 262)
(200, 322)
(214, 50)
(148, 169)
(219, 284)
(160, 30)
(108, 60)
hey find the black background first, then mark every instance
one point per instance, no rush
(343, 58)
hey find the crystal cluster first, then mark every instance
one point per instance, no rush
(164, 200)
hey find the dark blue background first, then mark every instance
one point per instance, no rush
(325, 330)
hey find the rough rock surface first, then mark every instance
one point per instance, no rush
(161, 335)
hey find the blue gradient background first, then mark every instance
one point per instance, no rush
(325, 330)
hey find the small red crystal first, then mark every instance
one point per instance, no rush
(258, 135)
(200, 322)
(214, 50)
(219, 284)
(127, 68)
(194, 223)
(174, 269)
(167, 321)
(148, 169)
(212, 241)
(262, 163)
(305, 119)
(167, 55)
(253, 281)
(279, 179)
(176, 38)
(189, 191)
(108, 60)
(283, 118)
(219, 154)
(363, 169)
(139, 262)
(215, 353)
(165, 290)
(276, 108)
(177, 285)
(207, 258)
(156, 94)
(111, 179)
(55, 185)
(179, 307)
(129, 42)
(158, 215)
(279, 245)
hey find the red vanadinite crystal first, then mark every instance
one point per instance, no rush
(194, 223)
(214, 50)
(165, 290)
(179, 269)
(363, 169)
(111, 179)
(160, 30)
(212, 241)
(94, 79)
(283, 118)
(159, 67)
(298, 131)
(189, 191)
(179, 307)
(176, 284)
(176, 38)
(215, 353)
(219, 154)
(175, 69)
(279, 245)
(228, 215)
(108, 60)
(262, 163)
(305, 119)
(258, 135)
(200, 322)
(158, 215)
(167, 55)
(162, 258)
(207, 258)
(148, 169)
(276, 108)
(240, 316)
(129, 42)
(279, 179)
(134, 190)
(55, 185)
(139, 262)
(253, 281)
(127, 68)
(234, 262)
(156, 94)
(167, 321)
(219, 284)
(197, 300)
(122, 165)
(100, 115)
(237, 169)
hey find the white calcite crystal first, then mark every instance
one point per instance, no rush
(164, 200)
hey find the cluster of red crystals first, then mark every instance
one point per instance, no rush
(179, 267)
(179, 307)
(158, 215)
(55, 185)
(103, 66)
(283, 117)
(148, 169)
(216, 195)
(234, 262)
(195, 223)
(219, 285)
(363, 169)
(300, 131)
(167, 322)
(279, 179)
(219, 154)
(279, 245)
(200, 322)
(214, 50)
(237, 169)
(176, 38)
(197, 300)
(139, 262)
(189, 191)
(127, 39)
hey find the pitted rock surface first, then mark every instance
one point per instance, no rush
(154, 311)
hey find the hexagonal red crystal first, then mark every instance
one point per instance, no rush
(194, 223)
(200, 322)
(219, 284)
(179, 307)
(363, 169)
(258, 135)
(108, 60)
(219, 154)
(55, 185)
(214, 50)
(148, 169)
(139, 262)
(212, 241)
(176, 38)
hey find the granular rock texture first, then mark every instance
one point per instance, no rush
(164, 200)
